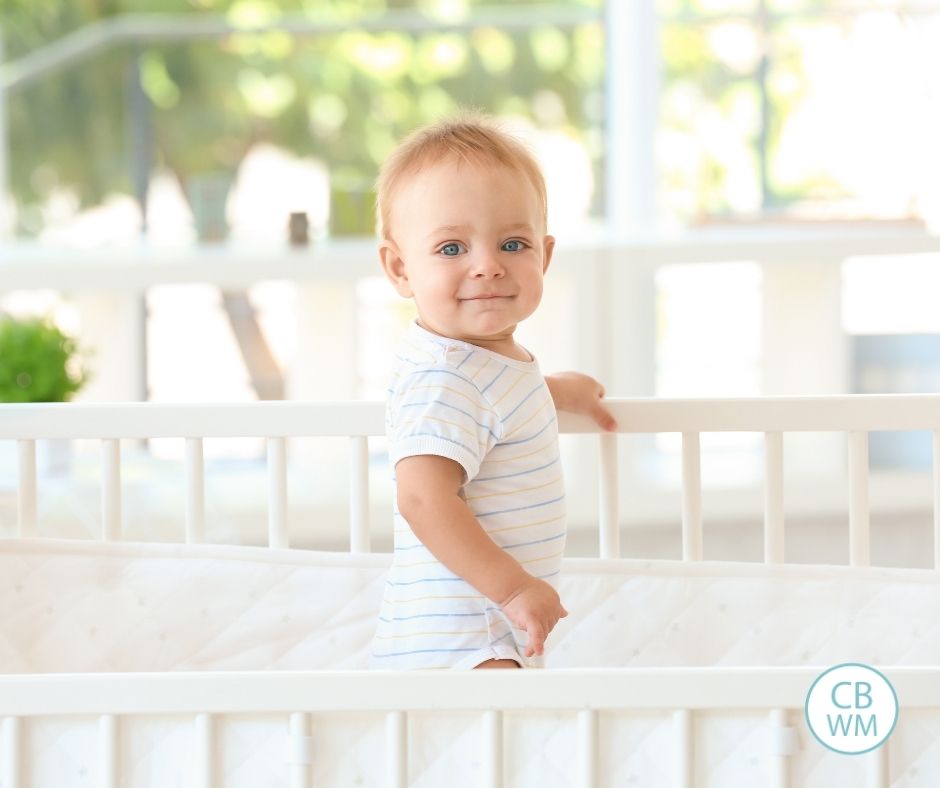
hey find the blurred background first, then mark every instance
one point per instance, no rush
(746, 196)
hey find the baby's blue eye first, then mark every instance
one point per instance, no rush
(519, 246)
(450, 249)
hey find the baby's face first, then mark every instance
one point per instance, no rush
(469, 245)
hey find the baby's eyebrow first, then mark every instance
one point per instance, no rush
(453, 228)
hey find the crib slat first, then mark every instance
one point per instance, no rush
(879, 772)
(204, 761)
(588, 771)
(779, 766)
(195, 492)
(492, 775)
(111, 489)
(396, 749)
(301, 760)
(936, 499)
(859, 536)
(608, 493)
(277, 493)
(26, 489)
(359, 537)
(691, 497)
(685, 748)
(11, 768)
(773, 498)
(108, 765)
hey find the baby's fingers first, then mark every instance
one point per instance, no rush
(537, 636)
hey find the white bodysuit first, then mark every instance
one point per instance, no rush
(495, 416)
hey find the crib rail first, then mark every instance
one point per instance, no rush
(856, 416)
(682, 692)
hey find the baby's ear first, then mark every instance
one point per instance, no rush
(549, 247)
(394, 267)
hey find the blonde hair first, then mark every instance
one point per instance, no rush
(468, 136)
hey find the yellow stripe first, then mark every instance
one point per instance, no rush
(518, 381)
(513, 492)
(545, 558)
(526, 525)
(506, 437)
(522, 456)
(434, 418)
(480, 369)
(419, 634)
(475, 403)
(425, 598)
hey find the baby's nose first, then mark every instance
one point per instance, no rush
(488, 265)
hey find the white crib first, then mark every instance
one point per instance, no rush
(606, 723)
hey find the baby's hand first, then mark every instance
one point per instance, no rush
(579, 393)
(534, 607)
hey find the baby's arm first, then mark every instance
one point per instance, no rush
(428, 487)
(579, 393)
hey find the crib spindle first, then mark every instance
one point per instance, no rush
(204, 760)
(26, 489)
(195, 492)
(782, 745)
(608, 493)
(685, 752)
(691, 497)
(773, 498)
(301, 751)
(11, 770)
(359, 536)
(492, 776)
(111, 489)
(396, 749)
(859, 536)
(588, 771)
(879, 771)
(108, 764)
(277, 493)
(936, 499)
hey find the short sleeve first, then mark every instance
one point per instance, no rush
(436, 409)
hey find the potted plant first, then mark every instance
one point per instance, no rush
(40, 363)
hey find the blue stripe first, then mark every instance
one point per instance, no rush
(424, 580)
(469, 353)
(494, 379)
(526, 440)
(436, 650)
(537, 541)
(510, 475)
(521, 508)
(430, 615)
(462, 378)
(453, 407)
(410, 361)
(522, 401)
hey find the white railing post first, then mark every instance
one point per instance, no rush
(301, 751)
(359, 537)
(396, 749)
(111, 489)
(109, 774)
(691, 497)
(782, 744)
(11, 767)
(492, 776)
(204, 755)
(195, 492)
(608, 492)
(685, 748)
(879, 771)
(773, 498)
(26, 488)
(936, 499)
(588, 771)
(277, 493)
(859, 534)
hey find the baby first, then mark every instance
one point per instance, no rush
(471, 424)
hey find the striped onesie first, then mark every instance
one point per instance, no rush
(495, 416)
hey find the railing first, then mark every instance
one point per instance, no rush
(584, 693)
(855, 416)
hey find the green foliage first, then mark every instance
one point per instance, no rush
(38, 363)
(342, 97)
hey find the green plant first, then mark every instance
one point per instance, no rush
(38, 363)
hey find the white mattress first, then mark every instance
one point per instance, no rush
(84, 607)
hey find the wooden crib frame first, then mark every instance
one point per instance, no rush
(586, 693)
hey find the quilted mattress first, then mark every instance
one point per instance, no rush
(70, 606)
